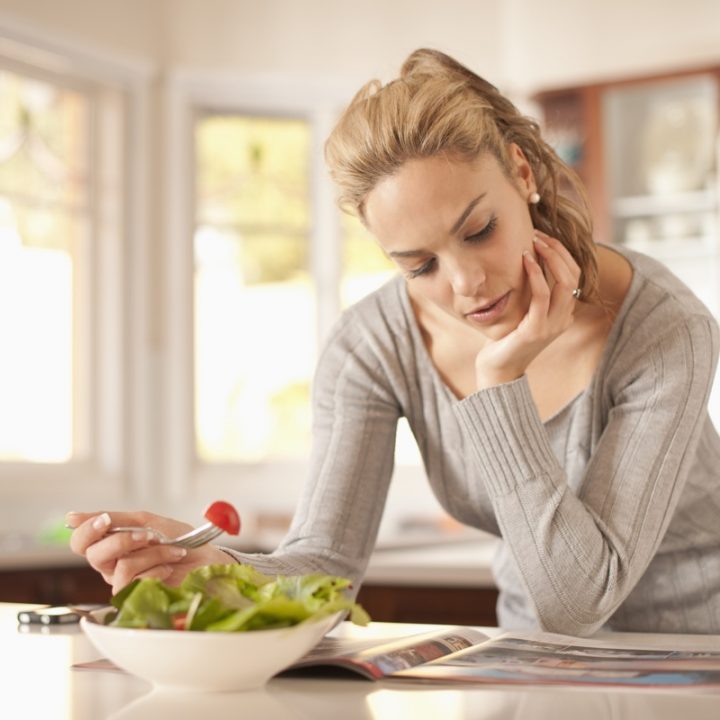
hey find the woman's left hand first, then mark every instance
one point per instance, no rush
(551, 312)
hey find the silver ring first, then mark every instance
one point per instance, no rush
(576, 293)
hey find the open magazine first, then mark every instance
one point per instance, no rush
(465, 655)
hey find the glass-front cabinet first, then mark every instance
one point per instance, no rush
(661, 159)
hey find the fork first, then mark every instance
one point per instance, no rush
(192, 539)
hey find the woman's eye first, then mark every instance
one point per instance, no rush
(422, 270)
(485, 232)
(429, 266)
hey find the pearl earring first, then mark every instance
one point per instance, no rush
(534, 198)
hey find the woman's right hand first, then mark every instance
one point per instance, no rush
(123, 557)
(550, 313)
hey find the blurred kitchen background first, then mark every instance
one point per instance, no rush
(171, 257)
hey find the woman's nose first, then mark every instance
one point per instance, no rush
(467, 279)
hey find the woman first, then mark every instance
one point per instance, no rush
(557, 389)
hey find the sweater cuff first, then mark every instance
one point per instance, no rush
(507, 436)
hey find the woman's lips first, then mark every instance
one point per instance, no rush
(489, 313)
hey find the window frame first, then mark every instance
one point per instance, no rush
(118, 463)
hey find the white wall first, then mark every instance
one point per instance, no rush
(565, 42)
(342, 38)
(520, 45)
(125, 28)
(517, 44)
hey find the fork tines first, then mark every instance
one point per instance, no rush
(204, 535)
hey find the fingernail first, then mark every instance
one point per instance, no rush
(141, 535)
(527, 254)
(538, 241)
(178, 552)
(101, 522)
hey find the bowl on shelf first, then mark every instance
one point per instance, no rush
(205, 661)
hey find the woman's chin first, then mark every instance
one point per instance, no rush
(494, 331)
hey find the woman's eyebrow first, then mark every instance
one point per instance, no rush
(458, 224)
(406, 253)
(463, 217)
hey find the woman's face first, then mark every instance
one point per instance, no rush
(457, 229)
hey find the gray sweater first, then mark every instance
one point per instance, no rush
(609, 511)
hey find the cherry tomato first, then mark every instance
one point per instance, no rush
(179, 621)
(225, 516)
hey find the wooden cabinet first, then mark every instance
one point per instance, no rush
(443, 605)
(53, 585)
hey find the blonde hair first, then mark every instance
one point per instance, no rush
(439, 107)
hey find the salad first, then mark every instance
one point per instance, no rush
(232, 598)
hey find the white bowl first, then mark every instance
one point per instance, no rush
(215, 661)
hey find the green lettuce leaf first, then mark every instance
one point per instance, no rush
(147, 605)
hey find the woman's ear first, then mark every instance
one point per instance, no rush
(523, 171)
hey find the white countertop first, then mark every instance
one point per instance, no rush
(38, 683)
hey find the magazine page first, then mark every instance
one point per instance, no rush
(546, 659)
(375, 660)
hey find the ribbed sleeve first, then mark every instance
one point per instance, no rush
(507, 436)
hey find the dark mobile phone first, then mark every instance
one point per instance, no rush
(60, 615)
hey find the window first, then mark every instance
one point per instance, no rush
(68, 309)
(255, 335)
(45, 222)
